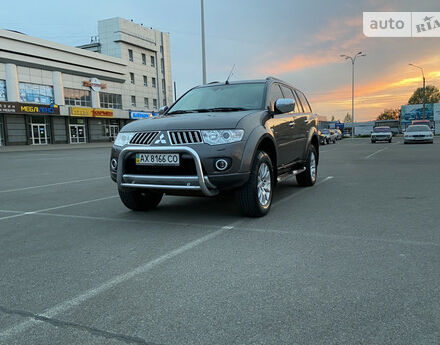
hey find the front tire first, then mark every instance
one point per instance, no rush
(140, 200)
(254, 198)
(308, 177)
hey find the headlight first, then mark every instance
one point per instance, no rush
(123, 138)
(224, 136)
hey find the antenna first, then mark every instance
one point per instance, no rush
(230, 74)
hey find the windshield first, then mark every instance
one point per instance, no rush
(325, 131)
(419, 128)
(225, 97)
(381, 129)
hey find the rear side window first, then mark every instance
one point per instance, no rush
(304, 102)
(275, 93)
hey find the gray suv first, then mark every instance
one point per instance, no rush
(242, 136)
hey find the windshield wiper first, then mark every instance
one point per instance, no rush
(180, 112)
(227, 109)
(207, 110)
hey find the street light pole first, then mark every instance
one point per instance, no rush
(424, 90)
(353, 60)
(203, 41)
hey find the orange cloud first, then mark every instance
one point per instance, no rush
(390, 91)
(339, 32)
(300, 62)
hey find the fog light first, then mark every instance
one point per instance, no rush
(114, 164)
(221, 164)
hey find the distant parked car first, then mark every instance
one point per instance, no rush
(382, 133)
(322, 138)
(330, 135)
(418, 134)
(338, 133)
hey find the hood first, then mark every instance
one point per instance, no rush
(213, 120)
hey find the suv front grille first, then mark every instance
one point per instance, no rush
(185, 137)
(143, 138)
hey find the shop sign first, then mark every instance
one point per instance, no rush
(91, 112)
(8, 107)
(26, 108)
(83, 112)
(105, 113)
(135, 115)
(95, 84)
(29, 108)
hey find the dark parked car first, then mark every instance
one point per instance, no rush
(242, 136)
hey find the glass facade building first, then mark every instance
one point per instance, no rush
(36, 93)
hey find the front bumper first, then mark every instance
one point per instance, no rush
(200, 183)
(381, 138)
(418, 140)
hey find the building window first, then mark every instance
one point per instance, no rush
(77, 97)
(110, 100)
(144, 59)
(130, 55)
(2, 90)
(36, 93)
(145, 80)
(153, 82)
(132, 78)
(164, 102)
(146, 104)
(161, 50)
(163, 85)
(153, 63)
(154, 103)
(133, 101)
(162, 65)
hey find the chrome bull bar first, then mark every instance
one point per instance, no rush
(190, 183)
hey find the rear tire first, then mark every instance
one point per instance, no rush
(254, 198)
(373, 141)
(309, 176)
(140, 200)
(390, 140)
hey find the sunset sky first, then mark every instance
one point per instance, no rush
(297, 41)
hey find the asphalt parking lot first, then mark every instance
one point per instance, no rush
(353, 260)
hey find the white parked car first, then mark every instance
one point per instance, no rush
(418, 134)
(382, 133)
(330, 135)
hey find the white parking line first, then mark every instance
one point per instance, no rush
(53, 184)
(77, 300)
(148, 266)
(374, 153)
(57, 207)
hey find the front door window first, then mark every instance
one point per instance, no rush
(38, 134)
(77, 134)
(114, 130)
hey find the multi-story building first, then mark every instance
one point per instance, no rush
(53, 93)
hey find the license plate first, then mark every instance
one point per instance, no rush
(158, 159)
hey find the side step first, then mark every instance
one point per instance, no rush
(285, 176)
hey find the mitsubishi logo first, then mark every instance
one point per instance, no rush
(161, 140)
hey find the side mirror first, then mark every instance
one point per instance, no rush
(285, 105)
(163, 110)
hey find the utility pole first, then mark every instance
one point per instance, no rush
(424, 90)
(203, 42)
(353, 60)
